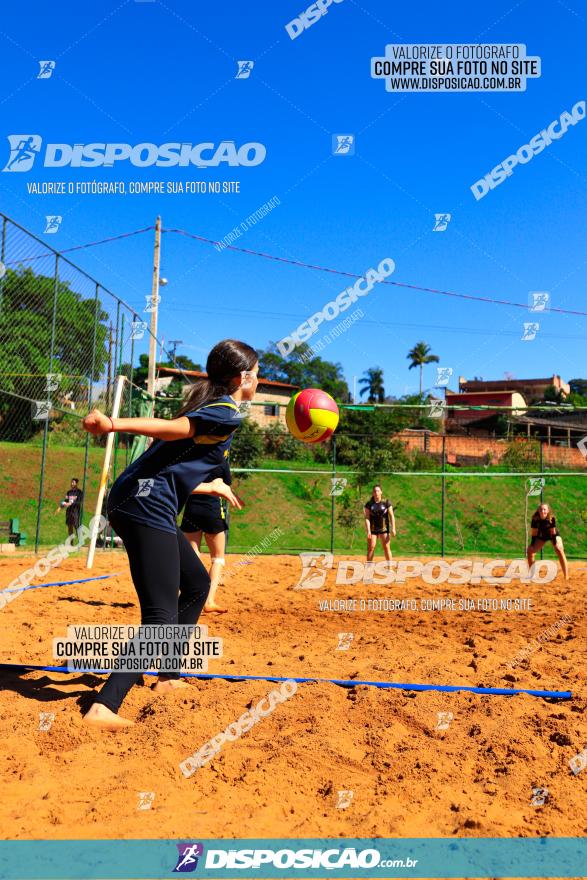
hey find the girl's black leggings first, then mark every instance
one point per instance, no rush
(171, 582)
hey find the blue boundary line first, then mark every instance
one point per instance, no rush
(341, 682)
(99, 577)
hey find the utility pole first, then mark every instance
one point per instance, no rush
(154, 310)
(109, 382)
(174, 343)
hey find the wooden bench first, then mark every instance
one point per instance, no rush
(10, 531)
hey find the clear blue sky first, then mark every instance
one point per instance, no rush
(165, 71)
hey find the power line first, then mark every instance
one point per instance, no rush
(485, 299)
(315, 267)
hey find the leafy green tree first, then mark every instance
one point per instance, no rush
(420, 355)
(300, 369)
(26, 322)
(522, 455)
(578, 386)
(247, 446)
(279, 443)
(372, 382)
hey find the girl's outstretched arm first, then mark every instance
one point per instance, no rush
(220, 488)
(97, 423)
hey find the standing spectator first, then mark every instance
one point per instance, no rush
(72, 503)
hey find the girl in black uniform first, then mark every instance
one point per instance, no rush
(72, 502)
(378, 514)
(543, 529)
(206, 515)
(146, 498)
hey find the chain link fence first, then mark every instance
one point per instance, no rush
(64, 338)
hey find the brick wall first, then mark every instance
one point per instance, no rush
(475, 450)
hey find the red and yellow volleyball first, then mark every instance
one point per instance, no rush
(312, 415)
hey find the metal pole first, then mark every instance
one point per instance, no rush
(332, 506)
(154, 310)
(109, 379)
(104, 474)
(90, 397)
(119, 373)
(2, 253)
(443, 534)
(541, 487)
(46, 429)
(130, 385)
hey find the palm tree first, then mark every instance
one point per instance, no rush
(420, 355)
(373, 383)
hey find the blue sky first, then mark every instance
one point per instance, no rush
(155, 72)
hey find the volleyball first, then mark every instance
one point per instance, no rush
(312, 415)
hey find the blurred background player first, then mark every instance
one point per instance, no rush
(379, 521)
(206, 515)
(543, 529)
(72, 504)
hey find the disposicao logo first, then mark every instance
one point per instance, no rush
(24, 149)
(187, 860)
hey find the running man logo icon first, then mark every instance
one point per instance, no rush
(314, 568)
(46, 719)
(535, 485)
(53, 223)
(244, 69)
(53, 381)
(138, 329)
(578, 762)
(344, 799)
(24, 149)
(338, 486)
(343, 145)
(146, 799)
(444, 719)
(344, 641)
(539, 301)
(152, 301)
(437, 409)
(46, 69)
(441, 222)
(40, 410)
(443, 375)
(539, 796)
(187, 861)
(145, 486)
(530, 331)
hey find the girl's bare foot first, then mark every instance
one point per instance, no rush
(101, 716)
(213, 608)
(166, 685)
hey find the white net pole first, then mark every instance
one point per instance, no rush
(104, 475)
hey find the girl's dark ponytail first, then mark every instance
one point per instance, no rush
(225, 363)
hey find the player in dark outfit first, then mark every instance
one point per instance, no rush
(543, 529)
(72, 502)
(379, 522)
(146, 498)
(205, 515)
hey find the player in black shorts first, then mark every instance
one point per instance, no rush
(206, 515)
(72, 503)
(379, 522)
(543, 529)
